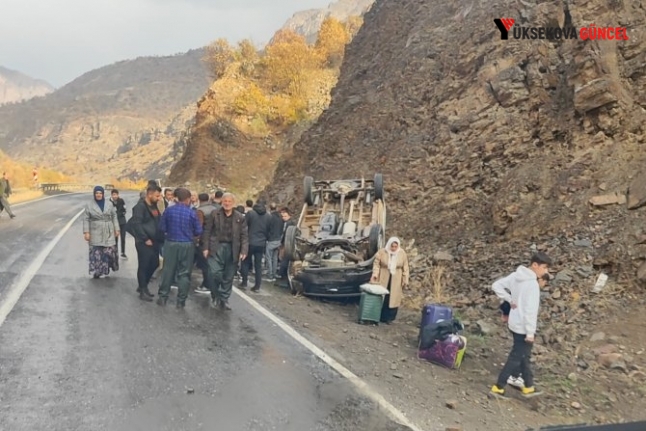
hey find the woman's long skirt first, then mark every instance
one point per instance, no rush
(103, 259)
(388, 314)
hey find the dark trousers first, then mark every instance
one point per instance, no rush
(122, 235)
(5, 204)
(202, 264)
(388, 314)
(178, 264)
(222, 268)
(148, 259)
(518, 362)
(256, 253)
(283, 267)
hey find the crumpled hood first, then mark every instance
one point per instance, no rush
(524, 274)
(260, 209)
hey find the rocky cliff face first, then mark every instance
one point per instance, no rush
(488, 145)
(16, 87)
(308, 22)
(117, 122)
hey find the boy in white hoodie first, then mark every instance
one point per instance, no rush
(522, 291)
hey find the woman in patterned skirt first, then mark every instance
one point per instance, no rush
(100, 228)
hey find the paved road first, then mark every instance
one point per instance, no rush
(84, 354)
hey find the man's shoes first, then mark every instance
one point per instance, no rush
(147, 292)
(530, 392)
(202, 289)
(255, 288)
(224, 305)
(180, 304)
(123, 255)
(516, 382)
(214, 303)
(145, 297)
(497, 392)
(12, 216)
(162, 301)
(243, 286)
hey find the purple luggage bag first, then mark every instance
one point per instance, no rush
(433, 313)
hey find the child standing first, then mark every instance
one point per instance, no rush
(521, 290)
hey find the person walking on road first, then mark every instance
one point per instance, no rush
(5, 192)
(148, 238)
(224, 244)
(181, 226)
(120, 205)
(258, 224)
(522, 290)
(390, 270)
(100, 228)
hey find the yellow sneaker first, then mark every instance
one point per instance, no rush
(530, 392)
(496, 391)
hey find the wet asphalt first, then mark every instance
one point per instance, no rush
(84, 354)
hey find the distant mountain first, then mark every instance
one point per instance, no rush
(114, 122)
(16, 86)
(308, 22)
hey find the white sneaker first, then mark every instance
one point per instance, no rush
(516, 382)
(202, 289)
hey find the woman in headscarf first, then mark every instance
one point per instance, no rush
(390, 269)
(100, 228)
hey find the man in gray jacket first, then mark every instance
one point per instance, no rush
(258, 221)
(521, 289)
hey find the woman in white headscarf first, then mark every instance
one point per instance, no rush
(390, 269)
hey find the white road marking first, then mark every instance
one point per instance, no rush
(16, 291)
(363, 387)
(46, 197)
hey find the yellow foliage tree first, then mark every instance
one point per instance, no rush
(218, 56)
(247, 55)
(332, 39)
(288, 61)
(353, 24)
(251, 102)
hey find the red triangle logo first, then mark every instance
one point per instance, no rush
(508, 22)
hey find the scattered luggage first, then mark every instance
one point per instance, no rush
(439, 339)
(371, 303)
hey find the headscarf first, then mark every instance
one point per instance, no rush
(100, 203)
(392, 255)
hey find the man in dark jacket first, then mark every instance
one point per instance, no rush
(224, 244)
(120, 204)
(286, 215)
(148, 238)
(273, 242)
(204, 209)
(5, 192)
(258, 222)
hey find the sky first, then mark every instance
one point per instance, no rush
(59, 40)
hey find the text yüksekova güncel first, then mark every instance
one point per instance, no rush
(556, 33)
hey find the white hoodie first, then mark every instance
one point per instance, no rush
(521, 288)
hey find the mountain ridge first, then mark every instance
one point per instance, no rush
(16, 86)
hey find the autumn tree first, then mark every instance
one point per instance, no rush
(288, 63)
(353, 24)
(247, 55)
(252, 102)
(218, 56)
(332, 39)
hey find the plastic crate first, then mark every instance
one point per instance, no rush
(370, 307)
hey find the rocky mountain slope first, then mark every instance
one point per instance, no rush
(16, 86)
(308, 22)
(119, 121)
(493, 149)
(258, 106)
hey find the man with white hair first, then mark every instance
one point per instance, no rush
(225, 242)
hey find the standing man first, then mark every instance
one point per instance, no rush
(273, 242)
(258, 223)
(5, 192)
(148, 238)
(521, 289)
(224, 244)
(286, 215)
(217, 199)
(120, 205)
(181, 226)
(203, 212)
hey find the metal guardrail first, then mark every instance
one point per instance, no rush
(69, 187)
